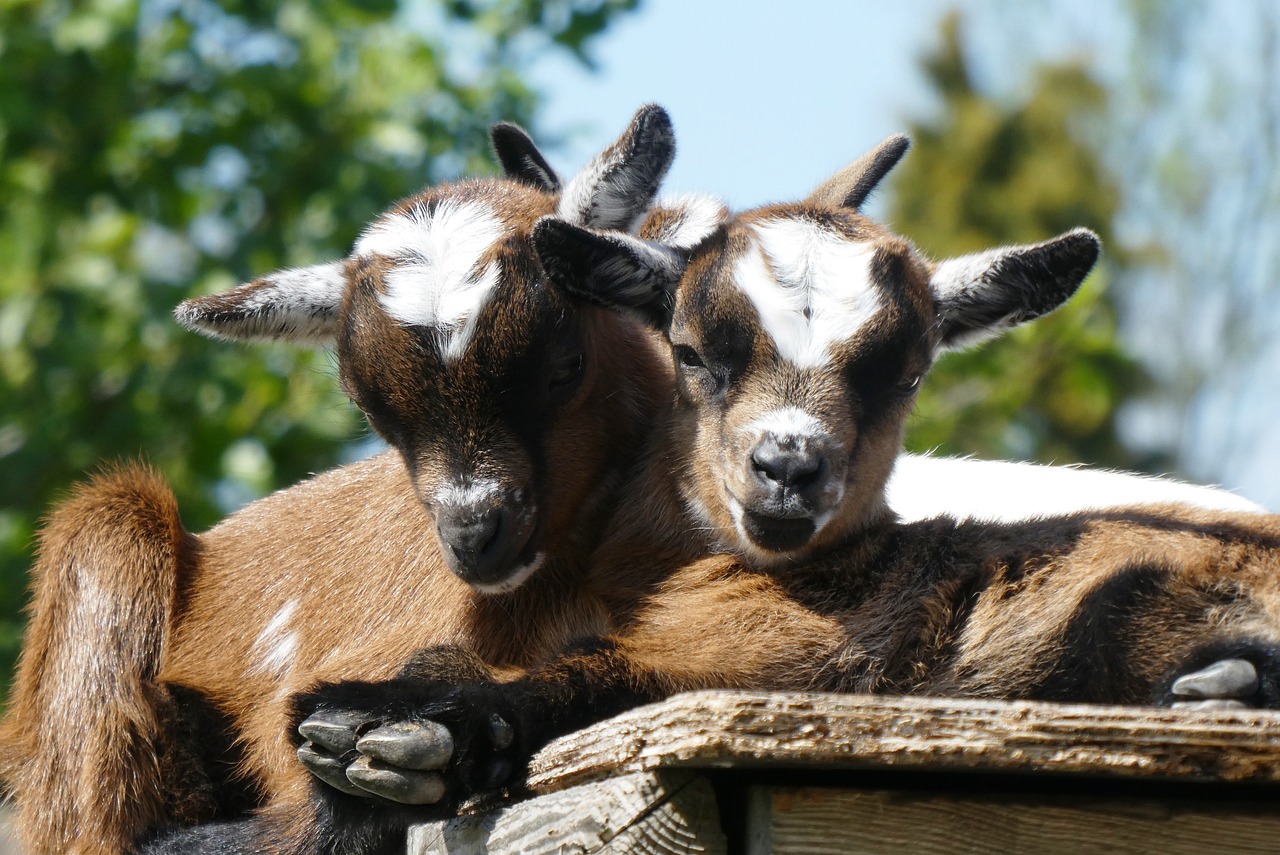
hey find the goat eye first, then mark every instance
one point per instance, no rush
(567, 369)
(908, 385)
(688, 357)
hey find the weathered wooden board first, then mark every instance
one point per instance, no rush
(807, 731)
(662, 814)
(826, 822)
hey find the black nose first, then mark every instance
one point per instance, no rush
(477, 538)
(796, 469)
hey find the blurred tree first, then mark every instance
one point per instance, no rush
(153, 149)
(1196, 131)
(1193, 132)
(984, 173)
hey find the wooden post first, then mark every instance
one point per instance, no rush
(873, 774)
(663, 814)
(867, 822)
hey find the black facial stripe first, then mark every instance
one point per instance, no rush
(877, 370)
(727, 348)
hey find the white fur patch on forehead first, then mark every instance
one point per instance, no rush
(810, 286)
(435, 283)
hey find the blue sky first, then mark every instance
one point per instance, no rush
(768, 98)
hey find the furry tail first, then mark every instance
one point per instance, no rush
(81, 747)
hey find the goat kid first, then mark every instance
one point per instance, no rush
(801, 334)
(154, 685)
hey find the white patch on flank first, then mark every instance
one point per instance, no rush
(924, 487)
(811, 288)
(515, 580)
(276, 645)
(435, 283)
(469, 494)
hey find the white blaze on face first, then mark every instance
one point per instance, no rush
(435, 283)
(811, 287)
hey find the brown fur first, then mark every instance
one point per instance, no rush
(1102, 607)
(110, 560)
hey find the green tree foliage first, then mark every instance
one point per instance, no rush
(155, 149)
(983, 173)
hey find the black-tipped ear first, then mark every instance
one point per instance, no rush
(299, 305)
(613, 270)
(520, 158)
(617, 187)
(980, 296)
(850, 187)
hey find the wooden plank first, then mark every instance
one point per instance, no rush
(662, 814)
(791, 821)
(757, 729)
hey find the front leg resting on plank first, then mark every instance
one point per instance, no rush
(433, 743)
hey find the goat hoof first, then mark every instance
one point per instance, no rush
(1227, 678)
(329, 769)
(501, 734)
(396, 785)
(333, 731)
(1211, 704)
(424, 746)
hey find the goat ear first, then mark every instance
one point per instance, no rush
(299, 305)
(520, 158)
(850, 187)
(980, 296)
(613, 270)
(617, 187)
(685, 221)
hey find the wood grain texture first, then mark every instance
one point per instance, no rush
(807, 821)
(647, 814)
(758, 729)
